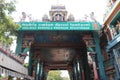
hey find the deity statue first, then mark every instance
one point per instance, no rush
(114, 32)
(118, 26)
(57, 17)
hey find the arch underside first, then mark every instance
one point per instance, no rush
(58, 49)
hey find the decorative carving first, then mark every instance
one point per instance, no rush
(88, 39)
(28, 41)
(114, 32)
(118, 26)
(58, 38)
(45, 18)
(71, 17)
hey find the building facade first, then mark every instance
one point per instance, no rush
(11, 65)
(110, 40)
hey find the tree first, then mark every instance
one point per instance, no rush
(54, 75)
(7, 26)
(65, 78)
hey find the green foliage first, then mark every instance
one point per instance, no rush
(0, 77)
(7, 26)
(26, 65)
(8, 5)
(3, 77)
(54, 75)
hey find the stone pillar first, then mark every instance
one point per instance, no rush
(30, 66)
(41, 71)
(116, 64)
(19, 44)
(10, 78)
(79, 69)
(70, 73)
(92, 54)
(99, 56)
(46, 74)
(86, 67)
(36, 70)
(18, 79)
(75, 71)
(73, 74)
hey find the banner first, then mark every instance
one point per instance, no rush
(59, 26)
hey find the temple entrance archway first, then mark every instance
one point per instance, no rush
(61, 43)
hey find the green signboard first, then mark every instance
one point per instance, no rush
(59, 26)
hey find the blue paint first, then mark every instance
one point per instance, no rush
(99, 57)
(113, 42)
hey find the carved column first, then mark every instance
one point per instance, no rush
(86, 67)
(19, 44)
(79, 67)
(92, 54)
(99, 56)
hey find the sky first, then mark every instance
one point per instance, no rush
(76, 7)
